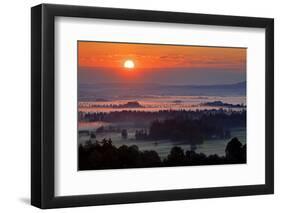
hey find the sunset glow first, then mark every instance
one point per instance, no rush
(104, 54)
(169, 64)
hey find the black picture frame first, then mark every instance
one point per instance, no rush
(43, 102)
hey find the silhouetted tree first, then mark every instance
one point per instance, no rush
(176, 156)
(141, 135)
(234, 151)
(244, 153)
(150, 158)
(124, 134)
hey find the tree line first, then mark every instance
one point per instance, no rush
(187, 130)
(227, 116)
(104, 155)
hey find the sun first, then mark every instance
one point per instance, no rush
(129, 64)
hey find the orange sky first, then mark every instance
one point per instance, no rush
(113, 55)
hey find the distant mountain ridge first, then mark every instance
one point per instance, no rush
(91, 92)
(235, 85)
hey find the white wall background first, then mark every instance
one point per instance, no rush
(15, 105)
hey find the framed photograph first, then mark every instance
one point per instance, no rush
(139, 106)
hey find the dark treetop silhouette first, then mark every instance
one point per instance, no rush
(104, 155)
